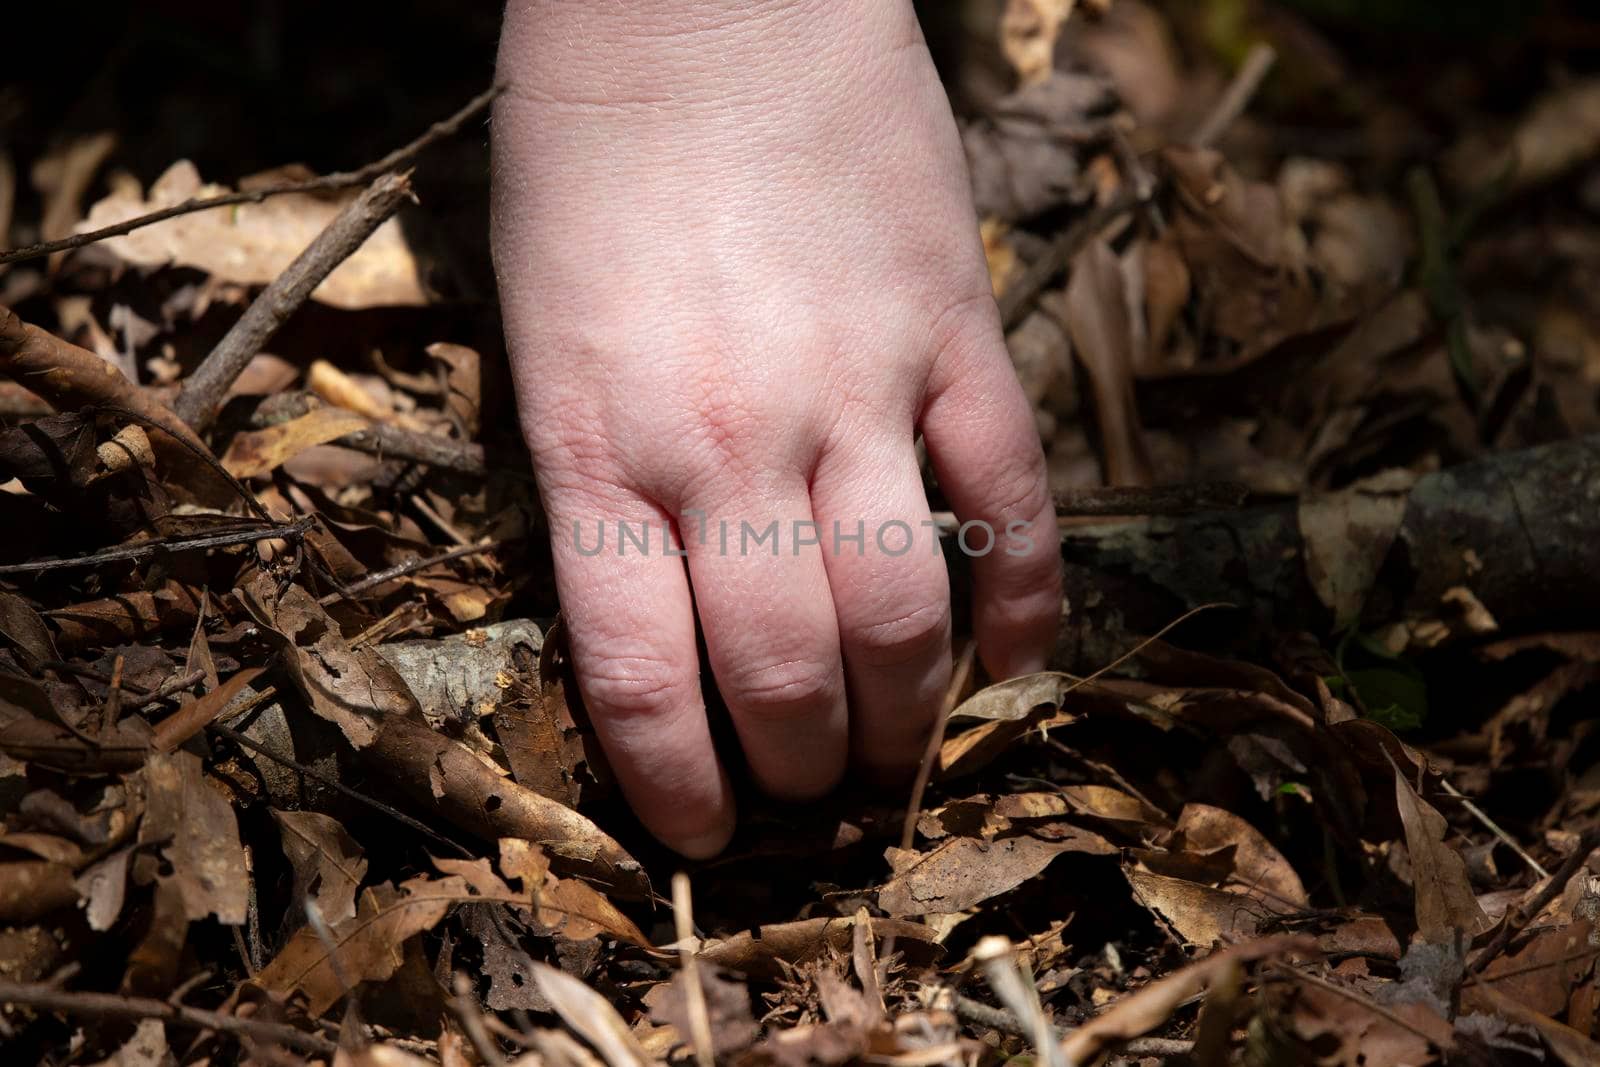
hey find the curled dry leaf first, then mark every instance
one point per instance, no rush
(442, 775)
(353, 688)
(592, 1017)
(192, 824)
(1445, 904)
(965, 871)
(367, 947)
(256, 452)
(251, 244)
(328, 864)
(1103, 343)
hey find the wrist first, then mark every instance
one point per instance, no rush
(666, 55)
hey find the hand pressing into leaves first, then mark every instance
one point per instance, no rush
(740, 273)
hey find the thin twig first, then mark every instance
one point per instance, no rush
(327, 182)
(1489, 824)
(143, 549)
(116, 1006)
(1018, 296)
(410, 566)
(203, 392)
(1513, 923)
(694, 992)
(333, 783)
(394, 442)
(1241, 90)
(465, 1008)
(959, 679)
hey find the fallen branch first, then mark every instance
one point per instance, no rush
(116, 1006)
(203, 393)
(392, 442)
(1240, 91)
(325, 183)
(1524, 914)
(143, 549)
(1513, 528)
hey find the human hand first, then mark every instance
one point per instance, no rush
(740, 271)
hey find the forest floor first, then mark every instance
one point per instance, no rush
(292, 767)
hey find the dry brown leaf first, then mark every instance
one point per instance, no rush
(353, 688)
(1139, 1013)
(343, 391)
(766, 951)
(256, 452)
(1257, 864)
(965, 871)
(1561, 130)
(1347, 537)
(251, 244)
(1445, 903)
(1201, 915)
(193, 826)
(1103, 344)
(1028, 33)
(368, 945)
(591, 1016)
(443, 776)
(1023, 152)
(328, 864)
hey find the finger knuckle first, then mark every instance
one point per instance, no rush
(920, 631)
(634, 685)
(783, 688)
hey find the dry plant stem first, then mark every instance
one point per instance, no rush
(1006, 980)
(930, 755)
(465, 1010)
(202, 394)
(392, 442)
(683, 927)
(1252, 72)
(1494, 828)
(1524, 914)
(144, 549)
(1018, 296)
(410, 566)
(981, 1014)
(327, 182)
(114, 1006)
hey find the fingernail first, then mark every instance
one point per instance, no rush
(703, 846)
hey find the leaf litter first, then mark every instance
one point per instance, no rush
(293, 765)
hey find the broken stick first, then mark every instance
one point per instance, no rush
(203, 393)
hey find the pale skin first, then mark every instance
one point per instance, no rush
(740, 274)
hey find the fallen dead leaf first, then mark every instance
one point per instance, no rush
(251, 244)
